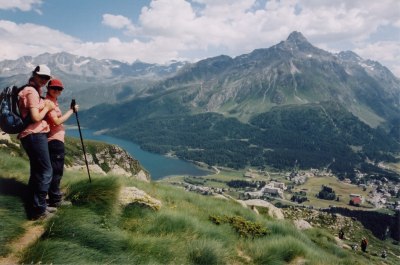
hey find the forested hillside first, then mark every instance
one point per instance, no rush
(321, 135)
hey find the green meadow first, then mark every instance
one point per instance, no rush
(187, 229)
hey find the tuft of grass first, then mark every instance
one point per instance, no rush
(49, 252)
(13, 166)
(200, 252)
(153, 249)
(286, 228)
(278, 250)
(171, 222)
(100, 195)
(13, 190)
(12, 218)
(326, 241)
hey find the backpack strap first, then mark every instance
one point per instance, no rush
(28, 119)
(22, 87)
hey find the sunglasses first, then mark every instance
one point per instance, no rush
(56, 88)
(44, 77)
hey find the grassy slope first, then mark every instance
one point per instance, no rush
(12, 190)
(97, 230)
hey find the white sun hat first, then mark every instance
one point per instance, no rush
(42, 69)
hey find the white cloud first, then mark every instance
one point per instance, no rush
(18, 40)
(175, 29)
(23, 5)
(241, 26)
(119, 22)
(385, 52)
(158, 51)
(116, 21)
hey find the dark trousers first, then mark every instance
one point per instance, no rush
(41, 172)
(57, 153)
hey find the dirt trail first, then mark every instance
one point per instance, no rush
(33, 231)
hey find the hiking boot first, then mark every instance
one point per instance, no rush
(43, 216)
(51, 209)
(60, 204)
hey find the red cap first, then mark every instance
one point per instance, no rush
(55, 82)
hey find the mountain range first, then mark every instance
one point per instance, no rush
(291, 72)
(290, 104)
(89, 80)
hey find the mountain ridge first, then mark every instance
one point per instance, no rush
(90, 81)
(203, 111)
(291, 72)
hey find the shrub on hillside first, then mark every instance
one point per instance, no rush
(243, 227)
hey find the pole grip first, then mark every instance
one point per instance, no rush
(73, 103)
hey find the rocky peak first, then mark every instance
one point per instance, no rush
(299, 47)
(296, 38)
(349, 56)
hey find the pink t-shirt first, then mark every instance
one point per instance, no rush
(57, 132)
(29, 98)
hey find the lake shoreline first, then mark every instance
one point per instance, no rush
(159, 166)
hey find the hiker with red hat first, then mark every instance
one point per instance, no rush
(56, 138)
(34, 140)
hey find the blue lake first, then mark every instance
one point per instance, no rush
(159, 166)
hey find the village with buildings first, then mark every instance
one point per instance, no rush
(374, 194)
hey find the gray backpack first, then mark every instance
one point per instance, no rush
(11, 121)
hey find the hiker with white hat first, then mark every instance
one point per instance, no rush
(34, 140)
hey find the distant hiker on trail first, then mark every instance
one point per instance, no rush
(34, 141)
(56, 137)
(354, 247)
(341, 234)
(364, 244)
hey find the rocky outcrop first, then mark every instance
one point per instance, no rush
(111, 159)
(318, 219)
(272, 210)
(133, 195)
(302, 224)
(102, 158)
(5, 137)
(10, 143)
(6, 140)
(93, 168)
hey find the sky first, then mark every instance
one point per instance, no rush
(159, 31)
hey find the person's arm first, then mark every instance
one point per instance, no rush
(38, 115)
(63, 118)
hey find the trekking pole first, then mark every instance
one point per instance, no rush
(80, 134)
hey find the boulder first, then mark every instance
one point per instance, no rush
(133, 195)
(141, 175)
(117, 170)
(272, 210)
(341, 243)
(6, 138)
(302, 224)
